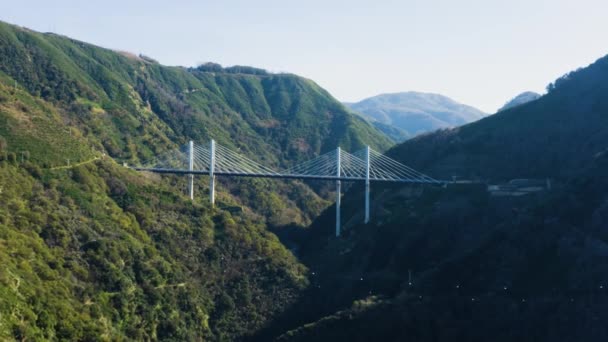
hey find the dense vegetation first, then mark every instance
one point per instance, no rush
(551, 137)
(93, 251)
(459, 264)
(133, 108)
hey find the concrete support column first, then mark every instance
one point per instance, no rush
(212, 173)
(338, 192)
(367, 162)
(190, 168)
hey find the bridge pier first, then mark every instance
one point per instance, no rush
(338, 192)
(190, 168)
(358, 167)
(366, 185)
(212, 173)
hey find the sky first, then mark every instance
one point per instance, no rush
(478, 52)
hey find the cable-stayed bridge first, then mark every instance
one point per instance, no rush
(212, 159)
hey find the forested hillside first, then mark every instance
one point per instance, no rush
(553, 136)
(133, 108)
(460, 264)
(94, 251)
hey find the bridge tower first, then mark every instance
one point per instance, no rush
(357, 167)
(190, 168)
(367, 185)
(212, 173)
(338, 192)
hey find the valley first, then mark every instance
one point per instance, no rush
(96, 251)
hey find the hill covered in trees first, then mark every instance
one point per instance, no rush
(461, 264)
(133, 108)
(94, 251)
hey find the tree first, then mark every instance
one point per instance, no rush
(3, 145)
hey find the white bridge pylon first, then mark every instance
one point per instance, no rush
(214, 160)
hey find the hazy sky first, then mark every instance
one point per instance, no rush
(479, 52)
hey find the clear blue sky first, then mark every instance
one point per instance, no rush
(479, 52)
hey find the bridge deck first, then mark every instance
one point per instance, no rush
(213, 159)
(281, 176)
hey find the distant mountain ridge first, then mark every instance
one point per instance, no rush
(415, 112)
(520, 99)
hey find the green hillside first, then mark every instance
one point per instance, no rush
(133, 109)
(551, 137)
(97, 253)
(121, 101)
(94, 251)
(460, 264)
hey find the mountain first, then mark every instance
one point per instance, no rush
(458, 263)
(520, 99)
(95, 251)
(416, 113)
(91, 250)
(394, 133)
(135, 108)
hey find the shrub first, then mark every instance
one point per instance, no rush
(11, 157)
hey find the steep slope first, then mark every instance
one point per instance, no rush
(459, 264)
(551, 137)
(395, 134)
(134, 108)
(116, 94)
(415, 112)
(520, 99)
(93, 251)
